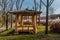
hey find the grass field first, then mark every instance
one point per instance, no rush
(38, 36)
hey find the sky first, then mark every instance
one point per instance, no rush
(29, 4)
(55, 5)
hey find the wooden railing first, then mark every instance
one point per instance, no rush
(25, 28)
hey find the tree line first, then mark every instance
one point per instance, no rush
(8, 5)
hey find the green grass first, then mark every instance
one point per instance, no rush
(6, 32)
(0, 25)
(38, 36)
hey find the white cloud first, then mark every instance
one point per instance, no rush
(56, 5)
(57, 0)
(57, 11)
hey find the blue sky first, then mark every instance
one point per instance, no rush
(56, 5)
(30, 4)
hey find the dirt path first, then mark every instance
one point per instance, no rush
(4, 28)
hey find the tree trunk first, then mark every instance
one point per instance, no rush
(6, 21)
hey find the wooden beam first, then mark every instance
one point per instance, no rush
(27, 14)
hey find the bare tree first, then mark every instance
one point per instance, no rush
(19, 4)
(51, 10)
(40, 7)
(11, 8)
(3, 4)
(35, 4)
(47, 5)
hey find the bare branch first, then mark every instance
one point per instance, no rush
(17, 4)
(35, 4)
(21, 4)
(0, 4)
(43, 3)
(51, 1)
(11, 5)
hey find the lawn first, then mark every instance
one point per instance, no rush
(0, 25)
(38, 36)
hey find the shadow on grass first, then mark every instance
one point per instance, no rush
(28, 36)
(40, 35)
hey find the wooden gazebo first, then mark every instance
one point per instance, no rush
(19, 23)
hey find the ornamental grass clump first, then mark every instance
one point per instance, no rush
(55, 27)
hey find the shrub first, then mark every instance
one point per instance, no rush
(43, 22)
(55, 27)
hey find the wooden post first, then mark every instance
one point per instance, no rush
(21, 22)
(17, 16)
(34, 23)
(11, 20)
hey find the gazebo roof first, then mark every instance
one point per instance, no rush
(24, 12)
